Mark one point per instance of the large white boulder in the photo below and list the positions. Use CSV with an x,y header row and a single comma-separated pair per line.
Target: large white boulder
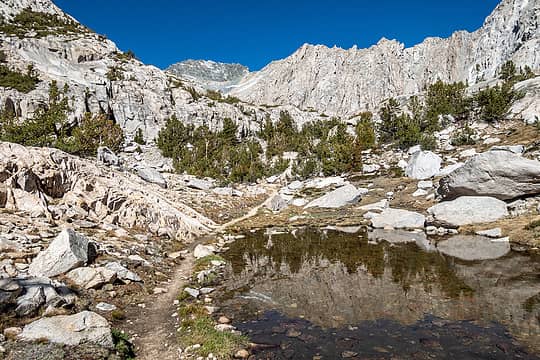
x,y
398,219
67,251
345,195
423,165
500,174
468,210
84,327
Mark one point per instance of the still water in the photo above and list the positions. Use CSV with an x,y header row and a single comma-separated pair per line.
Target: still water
x,y
328,294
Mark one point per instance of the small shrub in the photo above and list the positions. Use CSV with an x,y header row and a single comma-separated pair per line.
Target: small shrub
x,y
115,73
139,137
118,314
124,348
42,24
194,94
465,136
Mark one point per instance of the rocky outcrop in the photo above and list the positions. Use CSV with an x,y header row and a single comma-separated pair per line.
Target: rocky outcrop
x,y
500,174
468,210
84,327
85,191
343,82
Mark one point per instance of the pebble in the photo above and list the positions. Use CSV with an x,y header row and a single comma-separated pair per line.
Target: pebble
x,y
242,354
12,332
192,292
105,307
293,333
159,290
348,354
224,320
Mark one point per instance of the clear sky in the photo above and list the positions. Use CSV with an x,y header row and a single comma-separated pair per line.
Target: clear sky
x,y
255,32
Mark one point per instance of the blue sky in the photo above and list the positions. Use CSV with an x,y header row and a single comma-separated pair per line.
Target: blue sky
x,y
253,33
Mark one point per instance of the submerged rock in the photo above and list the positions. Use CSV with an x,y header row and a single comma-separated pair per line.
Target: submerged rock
x,y
468,210
474,247
345,195
68,251
84,327
398,219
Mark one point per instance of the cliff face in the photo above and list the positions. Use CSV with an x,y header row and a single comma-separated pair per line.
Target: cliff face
x,y
209,74
343,82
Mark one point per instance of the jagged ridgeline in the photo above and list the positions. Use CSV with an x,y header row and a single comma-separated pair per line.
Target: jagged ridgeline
x,y
311,125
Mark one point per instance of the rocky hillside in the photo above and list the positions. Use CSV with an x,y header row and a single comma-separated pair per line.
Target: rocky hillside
x,y
102,78
209,74
339,82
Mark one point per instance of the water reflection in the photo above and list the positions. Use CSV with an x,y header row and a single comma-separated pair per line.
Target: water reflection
x,y
333,279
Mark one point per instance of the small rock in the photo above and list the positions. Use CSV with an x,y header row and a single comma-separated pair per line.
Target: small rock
x,y
159,290
224,327
241,354
348,354
12,333
202,251
192,292
224,320
492,233
105,307
293,333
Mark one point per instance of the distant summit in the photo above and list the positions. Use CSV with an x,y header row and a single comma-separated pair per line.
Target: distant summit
x,y
209,74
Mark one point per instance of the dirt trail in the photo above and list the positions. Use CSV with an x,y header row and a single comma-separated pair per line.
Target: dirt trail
x,y
155,324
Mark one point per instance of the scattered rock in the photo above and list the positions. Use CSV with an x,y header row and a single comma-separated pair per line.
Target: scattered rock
x,y
199,184
224,320
473,247
516,149
192,292
11,333
345,195
425,184
202,251
491,233
105,307
398,219
92,278
151,175
68,251
423,165
241,354
84,327
378,206
468,210
276,203
107,156
122,273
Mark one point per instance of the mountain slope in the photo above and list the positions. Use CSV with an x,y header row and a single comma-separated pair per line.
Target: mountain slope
x,y
209,74
343,82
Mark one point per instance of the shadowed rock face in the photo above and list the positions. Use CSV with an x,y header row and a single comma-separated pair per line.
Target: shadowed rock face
x,y
335,279
209,74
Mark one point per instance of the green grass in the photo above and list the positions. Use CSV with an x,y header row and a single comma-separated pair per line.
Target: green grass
x,y
197,327
532,225
205,262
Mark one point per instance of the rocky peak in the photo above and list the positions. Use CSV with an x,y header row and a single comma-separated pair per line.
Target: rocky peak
x,y
343,82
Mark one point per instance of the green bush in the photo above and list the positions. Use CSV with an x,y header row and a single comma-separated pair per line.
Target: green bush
x,y
18,81
464,136
445,99
493,103
50,128
365,131
510,73
92,132
115,73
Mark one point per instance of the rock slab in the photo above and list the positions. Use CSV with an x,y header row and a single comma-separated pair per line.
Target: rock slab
x,y
468,210
398,219
345,195
84,327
